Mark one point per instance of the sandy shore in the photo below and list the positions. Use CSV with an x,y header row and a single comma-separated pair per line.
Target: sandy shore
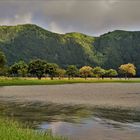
x,y
102,94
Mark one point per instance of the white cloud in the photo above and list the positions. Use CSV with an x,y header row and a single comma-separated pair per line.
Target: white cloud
x,y
88,16
55,28
17,19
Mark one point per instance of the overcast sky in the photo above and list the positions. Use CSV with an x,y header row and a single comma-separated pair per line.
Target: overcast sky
x,y
92,17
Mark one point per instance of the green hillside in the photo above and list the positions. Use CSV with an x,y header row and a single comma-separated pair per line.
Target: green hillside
x,y
26,42
30,41
119,47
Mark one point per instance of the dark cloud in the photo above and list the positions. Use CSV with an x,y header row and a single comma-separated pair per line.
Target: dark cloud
x,y
88,16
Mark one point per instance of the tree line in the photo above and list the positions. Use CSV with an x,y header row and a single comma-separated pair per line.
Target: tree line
x,y
41,68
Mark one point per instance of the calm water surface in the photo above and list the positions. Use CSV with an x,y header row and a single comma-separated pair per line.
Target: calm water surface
x,y
76,122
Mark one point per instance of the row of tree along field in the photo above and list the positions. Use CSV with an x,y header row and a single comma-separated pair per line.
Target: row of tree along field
x,y
40,68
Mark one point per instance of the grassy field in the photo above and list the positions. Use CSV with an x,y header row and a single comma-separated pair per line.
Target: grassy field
x,y
11,130
6,81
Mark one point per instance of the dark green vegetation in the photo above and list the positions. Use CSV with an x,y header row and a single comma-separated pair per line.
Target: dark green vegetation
x,y
11,130
2,59
36,68
72,71
26,42
41,68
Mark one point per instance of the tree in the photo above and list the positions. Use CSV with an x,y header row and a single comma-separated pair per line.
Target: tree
x,y
127,70
2,59
86,71
111,73
4,71
2,63
99,72
51,69
23,68
61,73
71,71
13,70
19,69
37,68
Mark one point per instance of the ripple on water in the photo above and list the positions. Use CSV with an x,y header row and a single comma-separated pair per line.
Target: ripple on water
x,y
76,121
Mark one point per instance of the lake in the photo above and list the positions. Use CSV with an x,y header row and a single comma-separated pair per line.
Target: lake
x,y
115,116
76,122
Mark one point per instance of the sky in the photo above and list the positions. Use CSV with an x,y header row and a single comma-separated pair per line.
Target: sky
x,y
92,17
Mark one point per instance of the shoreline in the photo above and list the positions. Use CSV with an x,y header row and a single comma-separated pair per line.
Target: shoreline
x,y
9,81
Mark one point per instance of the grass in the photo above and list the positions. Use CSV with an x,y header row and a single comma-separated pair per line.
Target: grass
x,y
4,81
11,130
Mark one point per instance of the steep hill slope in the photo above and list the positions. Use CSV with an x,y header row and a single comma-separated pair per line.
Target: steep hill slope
x,y
119,47
30,41
26,42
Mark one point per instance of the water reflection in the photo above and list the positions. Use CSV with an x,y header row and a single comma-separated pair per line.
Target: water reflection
x,y
76,121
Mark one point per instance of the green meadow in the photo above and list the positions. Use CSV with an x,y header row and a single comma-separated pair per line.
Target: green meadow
x,y
4,81
12,130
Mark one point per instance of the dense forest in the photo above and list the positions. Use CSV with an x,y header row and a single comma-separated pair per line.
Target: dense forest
x,y
27,42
